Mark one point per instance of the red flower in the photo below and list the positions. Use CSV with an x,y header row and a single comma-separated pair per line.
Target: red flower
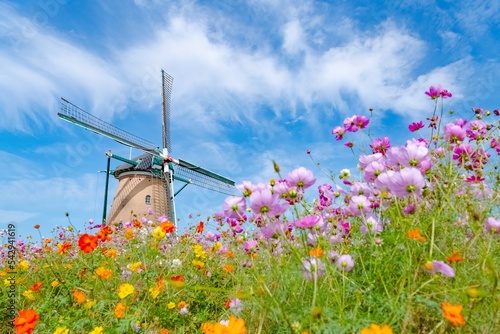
x,y
87,243
26,321
200,227
36,286
167,227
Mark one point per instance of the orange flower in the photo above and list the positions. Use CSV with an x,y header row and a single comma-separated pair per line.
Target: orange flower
x,y
37,226
233,326
63,248
137,224
87,243
129,233
79,296
120,310
36,286
104,273
415,234
111,253
376,329
453,313
104,233
181,304
455,257
316,252
200,227
229,254
167,227
26,321
228,268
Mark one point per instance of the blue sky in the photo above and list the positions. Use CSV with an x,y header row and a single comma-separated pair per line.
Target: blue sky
x,y
254,81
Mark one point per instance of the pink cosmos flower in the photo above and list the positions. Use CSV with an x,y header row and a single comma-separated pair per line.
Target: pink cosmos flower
x,y
349,144
275,229
406,182
434,266
381,145
365,160
345,262
339,132
309,222
264,202
245,187
492,225
476,130
234,207
250,246
435,92
301,178
359,205
454,133
462,153
373,170
416,126
312,268
371,224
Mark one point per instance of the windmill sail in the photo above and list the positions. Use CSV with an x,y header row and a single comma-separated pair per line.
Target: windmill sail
x,y
167,82
204,178
71,113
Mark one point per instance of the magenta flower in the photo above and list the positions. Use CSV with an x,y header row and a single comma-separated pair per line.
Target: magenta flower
x,y
462,153
381,145
435,92
406,182
361,121
345,262
492,225
416,126
312,268
476,130
309,222
234,207
434,266
454,133
339,132
301,178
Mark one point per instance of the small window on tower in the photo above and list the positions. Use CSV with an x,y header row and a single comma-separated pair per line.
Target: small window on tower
x,y
148,199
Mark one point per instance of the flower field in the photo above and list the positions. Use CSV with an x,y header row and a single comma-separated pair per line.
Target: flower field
x,y
408,243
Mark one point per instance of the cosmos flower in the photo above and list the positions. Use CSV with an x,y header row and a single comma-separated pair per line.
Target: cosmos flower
x,y
25,322
87,243
301,178
453,313
434,266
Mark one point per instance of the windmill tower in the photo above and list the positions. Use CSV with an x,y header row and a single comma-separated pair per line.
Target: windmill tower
x,y
146,181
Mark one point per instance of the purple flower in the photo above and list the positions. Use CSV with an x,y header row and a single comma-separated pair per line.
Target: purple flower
x,y
345,262
365,160
301,178
435,92
274,229
235,305
454,133
234,207
492,225
434,266
312,268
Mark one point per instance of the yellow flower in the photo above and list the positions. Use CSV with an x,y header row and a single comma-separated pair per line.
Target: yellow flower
x,y
171,305
158,233
54,283
29,295
155,291
125,289
104,273
7,282
217,246
61,330
23,265
198,264
136,267
199,252
97,330
376,329
69,265
88,305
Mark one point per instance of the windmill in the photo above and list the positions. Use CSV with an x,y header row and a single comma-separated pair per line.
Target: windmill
x,y
146,181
